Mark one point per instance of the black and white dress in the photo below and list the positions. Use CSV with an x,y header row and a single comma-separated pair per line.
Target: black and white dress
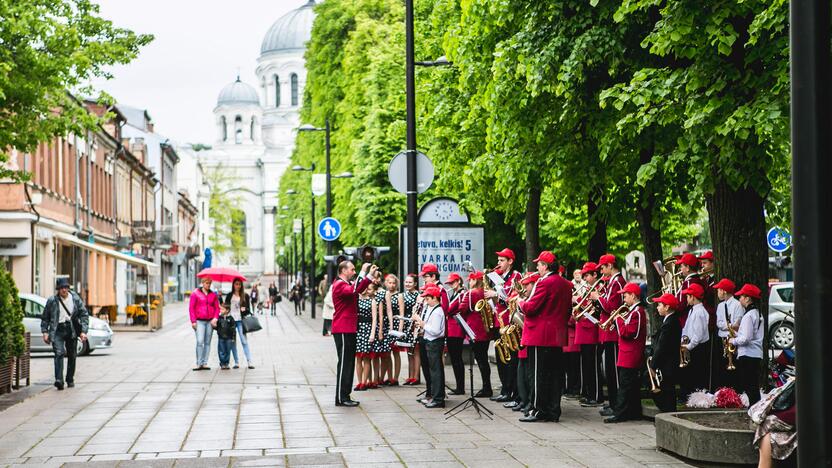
x,y
409,305
382,346
363,347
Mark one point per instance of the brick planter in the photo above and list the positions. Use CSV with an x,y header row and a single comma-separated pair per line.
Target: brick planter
x,y
6,374
694,435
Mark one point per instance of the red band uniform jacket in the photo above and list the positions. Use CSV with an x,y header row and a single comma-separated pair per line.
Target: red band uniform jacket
x,y
451,308
610,301
547,312
471,316
632,333
501,307
345,299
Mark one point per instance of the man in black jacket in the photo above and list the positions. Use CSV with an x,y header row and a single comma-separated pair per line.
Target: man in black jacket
x,y
666,352
64,321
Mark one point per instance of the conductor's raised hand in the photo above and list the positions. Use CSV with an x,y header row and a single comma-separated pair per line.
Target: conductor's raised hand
x,y
373,269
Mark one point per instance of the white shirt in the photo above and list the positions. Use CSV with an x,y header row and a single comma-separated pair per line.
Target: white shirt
x,y
434,323
234,310
70,306
735,313
749,339
696,327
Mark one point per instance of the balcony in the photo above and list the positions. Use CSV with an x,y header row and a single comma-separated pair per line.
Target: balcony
x,y
142,232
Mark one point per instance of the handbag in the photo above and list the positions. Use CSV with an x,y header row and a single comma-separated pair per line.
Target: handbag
x,y
251,324
76,324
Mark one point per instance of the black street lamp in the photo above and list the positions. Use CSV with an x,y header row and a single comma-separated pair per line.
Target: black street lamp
x,y
314,291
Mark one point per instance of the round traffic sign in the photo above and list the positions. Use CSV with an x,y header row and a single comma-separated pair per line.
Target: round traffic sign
x,y
778,239
329,229
397,172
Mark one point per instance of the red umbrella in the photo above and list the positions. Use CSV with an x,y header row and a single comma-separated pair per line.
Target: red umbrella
x,y
221,274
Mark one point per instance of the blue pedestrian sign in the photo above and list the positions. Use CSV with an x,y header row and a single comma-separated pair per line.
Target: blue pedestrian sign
x,y
779,240
329,229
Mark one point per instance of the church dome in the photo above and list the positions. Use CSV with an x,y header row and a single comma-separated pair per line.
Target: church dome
x,y
238,93
291,32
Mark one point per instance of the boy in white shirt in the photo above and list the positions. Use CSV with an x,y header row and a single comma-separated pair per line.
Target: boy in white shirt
x,y
433,324
695,338
749,343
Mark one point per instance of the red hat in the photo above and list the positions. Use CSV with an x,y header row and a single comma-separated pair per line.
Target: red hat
x,y
530,278
432,291
562,270
589,267
545,256
507,253
606,258
707,256
669,300
726,285
695,290
688,259
428,268
631,288
475,275
749,290
453,277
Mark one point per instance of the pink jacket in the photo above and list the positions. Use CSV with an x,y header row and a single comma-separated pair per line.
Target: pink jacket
x,y
204,306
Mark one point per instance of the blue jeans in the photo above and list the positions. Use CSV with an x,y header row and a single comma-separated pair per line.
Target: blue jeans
x,y
203,341
224,348
244,342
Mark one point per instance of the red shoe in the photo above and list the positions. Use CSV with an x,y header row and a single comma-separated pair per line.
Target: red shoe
x,y
372,385
359,387
394,383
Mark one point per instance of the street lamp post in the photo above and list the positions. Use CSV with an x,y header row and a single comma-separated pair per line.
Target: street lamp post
x,y
326,129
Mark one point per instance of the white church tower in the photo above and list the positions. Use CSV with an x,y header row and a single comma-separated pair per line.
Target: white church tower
x,y
255,134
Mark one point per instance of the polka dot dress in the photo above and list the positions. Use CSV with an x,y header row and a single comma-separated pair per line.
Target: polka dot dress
x,y
363,347
383,345
409,304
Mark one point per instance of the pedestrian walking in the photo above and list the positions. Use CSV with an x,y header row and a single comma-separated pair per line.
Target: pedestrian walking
x,y
238,304
65,320
328,311
204,310
254,296
296,296
273,295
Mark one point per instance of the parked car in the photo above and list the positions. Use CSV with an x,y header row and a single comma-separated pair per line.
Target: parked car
x,y
781,315
99,335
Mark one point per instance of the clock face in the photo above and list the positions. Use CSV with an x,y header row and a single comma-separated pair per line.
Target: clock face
x,y
443,210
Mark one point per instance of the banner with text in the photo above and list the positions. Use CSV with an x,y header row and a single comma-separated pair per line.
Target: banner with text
x,y
449,247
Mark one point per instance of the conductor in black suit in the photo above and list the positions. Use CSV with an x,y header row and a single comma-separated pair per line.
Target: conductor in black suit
x,y
666,352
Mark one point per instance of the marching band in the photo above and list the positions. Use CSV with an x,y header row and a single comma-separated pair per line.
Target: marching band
x,y
552,336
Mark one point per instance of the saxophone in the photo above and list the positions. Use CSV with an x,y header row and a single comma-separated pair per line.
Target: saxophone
x,y
483,306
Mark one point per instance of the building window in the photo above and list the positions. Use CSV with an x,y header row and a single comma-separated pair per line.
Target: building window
x,y
238,130
294,90
276,91
251,129
224,128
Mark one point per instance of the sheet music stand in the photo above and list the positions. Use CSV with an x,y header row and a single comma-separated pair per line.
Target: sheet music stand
x,y
470,401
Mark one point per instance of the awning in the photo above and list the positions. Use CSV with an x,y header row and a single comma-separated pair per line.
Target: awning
x,y
151,267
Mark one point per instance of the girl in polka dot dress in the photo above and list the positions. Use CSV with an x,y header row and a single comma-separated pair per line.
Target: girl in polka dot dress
x,y
363,345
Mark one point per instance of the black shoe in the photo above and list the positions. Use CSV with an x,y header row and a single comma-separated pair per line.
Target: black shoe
x,y
504,398
59,385
70,384
236,366
614,420
511,404
591,404
457,391
484,394
533,416
434,404
424,401
606,412
250,366
518,408
495,397
206,368
350,403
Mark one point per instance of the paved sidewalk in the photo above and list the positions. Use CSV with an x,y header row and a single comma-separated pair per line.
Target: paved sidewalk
x,y
141,405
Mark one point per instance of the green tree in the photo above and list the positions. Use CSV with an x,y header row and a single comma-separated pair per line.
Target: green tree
x,y
12,332
229,231
52,48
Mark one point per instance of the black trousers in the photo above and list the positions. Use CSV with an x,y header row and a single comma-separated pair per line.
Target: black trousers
x,y
546,365
424,365
695,375
666,399
437,370
455,353
480,350
629,394
508,376
273,304
591,372
722,377
523,381
345,345
610,350
748,377
572,365
64,344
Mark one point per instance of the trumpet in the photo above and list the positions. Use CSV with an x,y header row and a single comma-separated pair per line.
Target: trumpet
x,y
655,376
580,308
684,352
622,312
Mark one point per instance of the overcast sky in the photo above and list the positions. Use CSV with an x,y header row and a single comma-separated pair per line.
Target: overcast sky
x,y
199,46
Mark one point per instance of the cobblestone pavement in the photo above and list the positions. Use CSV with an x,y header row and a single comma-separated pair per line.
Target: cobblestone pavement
x,y
141,405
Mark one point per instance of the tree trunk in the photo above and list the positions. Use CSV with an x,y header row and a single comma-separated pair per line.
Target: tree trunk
x,y
532,226
738,232
598,229
651,238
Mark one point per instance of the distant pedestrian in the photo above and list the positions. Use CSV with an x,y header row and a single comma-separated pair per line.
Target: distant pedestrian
x,y
255,297
328,312
238,304
296,296
204,310
273,295
64,321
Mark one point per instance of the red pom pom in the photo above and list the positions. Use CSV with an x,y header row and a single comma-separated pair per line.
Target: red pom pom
x,y
727,397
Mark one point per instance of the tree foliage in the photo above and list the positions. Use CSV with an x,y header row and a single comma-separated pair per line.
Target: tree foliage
x,y
50,50
12,332
228,235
